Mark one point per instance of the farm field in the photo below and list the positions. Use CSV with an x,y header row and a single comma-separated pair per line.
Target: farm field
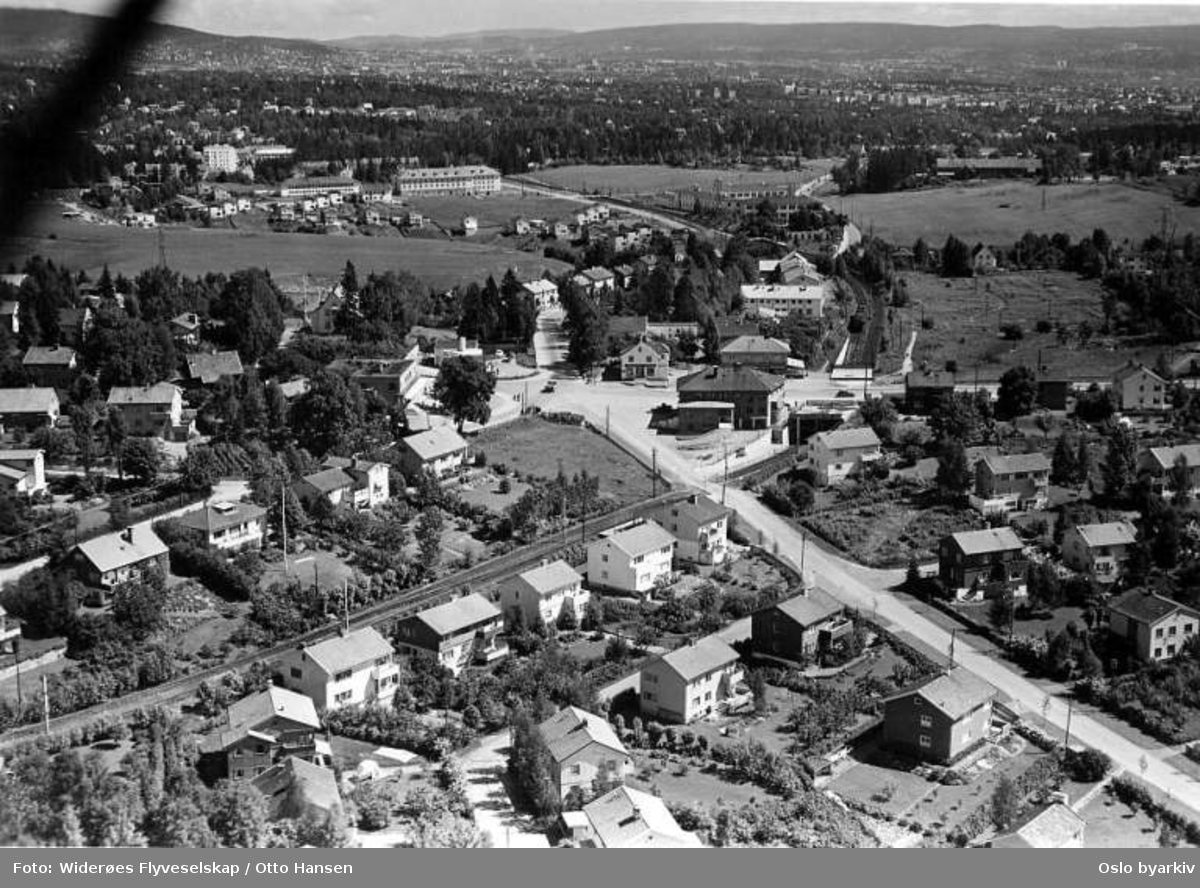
x,y
494,212
537,447
621,180
999,213
966,324
196,251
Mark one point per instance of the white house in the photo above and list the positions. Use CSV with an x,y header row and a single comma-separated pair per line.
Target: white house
x,y
808,302
350,668
835,455
626,818
544,293
23,472
440,450
700,527
227,526
632,557
546,592
692,681
586,751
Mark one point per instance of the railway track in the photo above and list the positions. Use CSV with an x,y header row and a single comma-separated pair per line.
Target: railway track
x,y
397,606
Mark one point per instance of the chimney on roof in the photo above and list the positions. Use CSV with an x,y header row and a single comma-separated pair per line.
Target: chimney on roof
x,y
127,534
462,343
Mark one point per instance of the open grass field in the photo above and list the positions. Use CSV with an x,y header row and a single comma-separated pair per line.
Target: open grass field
x,y
695,788
999,213
196,251
494,212
1112,824
621,180
967,317
536,447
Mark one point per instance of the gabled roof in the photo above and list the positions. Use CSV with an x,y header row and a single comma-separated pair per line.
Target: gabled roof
x,y
572,729
992,539
761,345
1054,827
629,818
162,393
541,285
1017,462
639,538
328,480
730,379
698,507
49,356
1113,533
1166,456
941,379
209,368
549,578
956,693
133,545
28,400
188,321
845,438
252,711
811,607
458,615
1132,369
218,516
348,651
20,456
294,388
1147,607
700,658
301,784
659,348
436,443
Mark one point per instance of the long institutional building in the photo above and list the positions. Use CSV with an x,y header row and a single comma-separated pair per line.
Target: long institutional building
x,y
447,180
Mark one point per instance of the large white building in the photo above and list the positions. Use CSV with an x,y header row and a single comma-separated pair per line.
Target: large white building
x,y
808,302
447,180
221,158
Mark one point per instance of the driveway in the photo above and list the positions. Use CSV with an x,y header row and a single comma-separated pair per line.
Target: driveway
x,y
495,815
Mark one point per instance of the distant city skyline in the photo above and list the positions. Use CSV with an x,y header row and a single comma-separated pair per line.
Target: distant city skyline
x,y
332,19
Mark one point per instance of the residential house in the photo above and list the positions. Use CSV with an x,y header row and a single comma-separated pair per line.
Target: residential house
x,y
645,359
1138,388
983,260
634,557
186,328
10,632
982,562
800,628
118,557
1158,464
1053,393
456,348
785,299
440,450
544,293
1057,826
1099,550
75,325
757,397
700,527
230,527
389,380
519,226
10,314
1155,628
586,752
837,455
23,472
545,593
763,352
698,417
470,225
595,280
351,482
322,319
941,720
794,269
923,390
458,634
209,369
28,408
151,410
52,366
691,682
1011,483
626,818
299,790
264,728
346,670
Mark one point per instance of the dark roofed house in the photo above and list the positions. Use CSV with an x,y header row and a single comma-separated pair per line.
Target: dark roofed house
x,y
228,526
52,366
800,628
296,789
645,359
585,750
757,397
1154,627
458,633
979,563
75,325
941,720
209,369
765,353
264,728
923,390
1011,483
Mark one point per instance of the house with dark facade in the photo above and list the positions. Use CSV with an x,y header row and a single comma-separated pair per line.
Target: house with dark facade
x,y
798,629
1011,483
942,720
264,728
459,633
121,556
757,397
28,408
924,389
982,563
52,366
767,354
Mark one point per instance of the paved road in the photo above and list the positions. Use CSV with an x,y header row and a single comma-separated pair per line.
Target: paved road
x,y
495,815
868,589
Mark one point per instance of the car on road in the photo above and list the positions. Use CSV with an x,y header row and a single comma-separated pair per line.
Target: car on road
x,y
550,386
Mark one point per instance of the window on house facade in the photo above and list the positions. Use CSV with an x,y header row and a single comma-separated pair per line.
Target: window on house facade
x,y
343,697
926,741
926,721
1157,653
296,673
343,675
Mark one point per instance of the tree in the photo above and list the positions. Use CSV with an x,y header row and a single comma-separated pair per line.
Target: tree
x,y
956,258
1179,481
1083,462
329,414
588,336
1120,463
1064,470
963,416
1003,611
237,815
881,415
83,424
252,309
115,435
137,605
465,386
141,458
531,765
1017,393
428,533
953,472
1006,803
350,279
757,683
200,469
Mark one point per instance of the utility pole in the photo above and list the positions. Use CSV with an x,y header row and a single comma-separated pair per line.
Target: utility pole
x,y
1067,736
607,418
654,472
17,663
346,605
283,526
45,705
725,479
953,634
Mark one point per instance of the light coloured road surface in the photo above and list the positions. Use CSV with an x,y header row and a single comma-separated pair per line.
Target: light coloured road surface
x,y
495,816
867,589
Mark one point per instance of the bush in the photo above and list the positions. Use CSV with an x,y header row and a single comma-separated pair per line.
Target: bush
x,y
1088,766
1012,331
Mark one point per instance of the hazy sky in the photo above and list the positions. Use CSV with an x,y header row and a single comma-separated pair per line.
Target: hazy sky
x,y
324,19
